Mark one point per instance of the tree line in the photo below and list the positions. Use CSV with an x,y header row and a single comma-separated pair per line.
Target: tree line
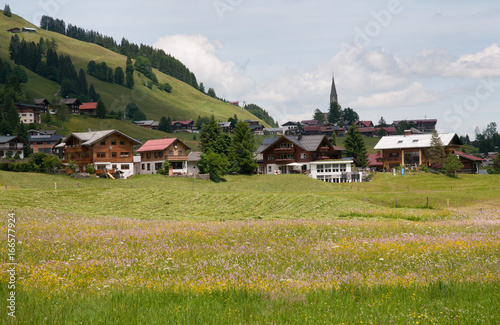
x,y
158,58
262,114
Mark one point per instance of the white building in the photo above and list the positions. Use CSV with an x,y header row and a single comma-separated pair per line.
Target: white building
x,y
335,171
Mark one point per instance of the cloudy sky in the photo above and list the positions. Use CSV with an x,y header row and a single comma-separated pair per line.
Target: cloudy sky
x,y
400,59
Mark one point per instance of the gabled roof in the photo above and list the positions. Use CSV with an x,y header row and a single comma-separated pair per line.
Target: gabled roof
x,y
367,130
88,106
8,138
71,101
41,101
158,145
194,156
89,138
365,123
290,123
183,122
415,141
467,156
306,142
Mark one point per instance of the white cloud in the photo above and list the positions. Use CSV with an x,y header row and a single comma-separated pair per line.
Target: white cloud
x,y
200,56
414,94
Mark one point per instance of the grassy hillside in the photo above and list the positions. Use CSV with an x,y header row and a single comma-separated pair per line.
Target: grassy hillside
x,y
184,102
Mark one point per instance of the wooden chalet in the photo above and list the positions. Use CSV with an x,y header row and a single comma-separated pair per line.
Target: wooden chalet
x,y
183,126
471,163
155,152
88,108
30,113
294,154
10,146
364,124
412,149
73,104
42,102
148,124
110,152
426,125
14,30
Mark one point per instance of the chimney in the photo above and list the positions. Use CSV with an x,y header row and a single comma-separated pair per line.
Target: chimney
x,y
407,132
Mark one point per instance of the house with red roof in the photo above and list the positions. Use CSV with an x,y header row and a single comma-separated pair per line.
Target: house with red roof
x,y
155,152
183,126
376,161
88,108
471,163
364,124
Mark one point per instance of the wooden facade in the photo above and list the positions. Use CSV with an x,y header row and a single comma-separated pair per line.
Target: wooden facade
x,y
155,152
108,151
293,154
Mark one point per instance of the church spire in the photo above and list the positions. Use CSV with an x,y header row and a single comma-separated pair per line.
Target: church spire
x,y
333,92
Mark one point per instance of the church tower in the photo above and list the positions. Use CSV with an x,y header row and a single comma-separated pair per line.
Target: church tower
x,y
333,92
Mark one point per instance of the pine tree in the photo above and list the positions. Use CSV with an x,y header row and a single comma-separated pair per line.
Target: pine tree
x,y
83,87
241,151
209,135
6,11
163,125
21,132
335,113
333,139
355,146
436,150
129,73
119,76
100,111
452,164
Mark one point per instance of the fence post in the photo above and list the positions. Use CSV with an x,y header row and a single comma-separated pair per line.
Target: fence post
x,y
55,185
447,203
396,201
427,202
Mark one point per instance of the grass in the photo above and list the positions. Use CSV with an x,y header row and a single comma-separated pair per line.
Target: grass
x,y
184,102
253,249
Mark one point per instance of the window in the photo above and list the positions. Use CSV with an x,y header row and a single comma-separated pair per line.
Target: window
x,y
303,156
290,156
400,141
328,168
149,166
113,142
170,152
101,155
122,142
416,140
270,169
335,168
393,154
320,169
123,154
179,152
156,154
161,154
286,145
113,166
143,166
148,155
126,166
113,154
343,168
39,143
103,142
283,156
270,157
158,166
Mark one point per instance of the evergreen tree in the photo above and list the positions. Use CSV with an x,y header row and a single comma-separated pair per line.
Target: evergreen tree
x,y
355,146
209,135
165,125
10,114
169,125
382,123
119,76
131,109
335,113
6,11
100,111
92,94
83,87
381,132
452,164
111,75
436,150
333,139
202,87
138,116
241,152
21,132
211,93
214,164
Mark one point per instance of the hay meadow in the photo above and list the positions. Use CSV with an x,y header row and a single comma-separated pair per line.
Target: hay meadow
x,y
252,250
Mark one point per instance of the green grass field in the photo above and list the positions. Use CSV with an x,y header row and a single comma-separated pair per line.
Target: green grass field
x,y
252,250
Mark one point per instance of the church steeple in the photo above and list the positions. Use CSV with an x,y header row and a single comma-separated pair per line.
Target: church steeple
x,y
333,92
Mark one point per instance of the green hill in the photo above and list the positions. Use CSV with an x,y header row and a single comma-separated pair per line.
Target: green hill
x,y
184,102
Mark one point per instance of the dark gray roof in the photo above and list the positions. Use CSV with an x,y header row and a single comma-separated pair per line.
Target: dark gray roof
x,y
8,138
266,143
45,137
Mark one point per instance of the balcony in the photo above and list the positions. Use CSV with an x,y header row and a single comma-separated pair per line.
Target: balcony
x,y
15,146
176,158
283,149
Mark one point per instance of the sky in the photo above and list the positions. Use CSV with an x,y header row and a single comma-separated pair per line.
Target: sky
x,y
397,59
